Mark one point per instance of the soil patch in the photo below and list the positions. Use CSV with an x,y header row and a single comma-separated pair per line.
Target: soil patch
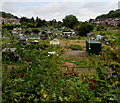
x,y
76,53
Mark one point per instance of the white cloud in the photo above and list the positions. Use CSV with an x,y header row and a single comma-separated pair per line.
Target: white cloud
x,y
58,10
58,0
43,0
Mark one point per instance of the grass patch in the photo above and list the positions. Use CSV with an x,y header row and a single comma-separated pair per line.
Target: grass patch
x,y
6,41
74,47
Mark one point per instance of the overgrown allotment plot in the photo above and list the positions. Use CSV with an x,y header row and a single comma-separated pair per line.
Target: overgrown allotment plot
x,y
56,77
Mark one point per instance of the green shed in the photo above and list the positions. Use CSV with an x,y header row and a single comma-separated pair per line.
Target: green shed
x,y
93,46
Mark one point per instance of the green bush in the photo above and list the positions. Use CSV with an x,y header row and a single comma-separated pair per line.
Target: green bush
x,y
28,31
100,28
43,45
34,30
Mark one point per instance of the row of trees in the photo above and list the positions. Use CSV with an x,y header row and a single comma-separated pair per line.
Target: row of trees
x,y
70,21
32,22
82,28
39,22
111,14
7,15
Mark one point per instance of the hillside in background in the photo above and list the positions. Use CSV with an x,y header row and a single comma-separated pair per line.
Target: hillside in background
x,y
111,14
110,19
7,15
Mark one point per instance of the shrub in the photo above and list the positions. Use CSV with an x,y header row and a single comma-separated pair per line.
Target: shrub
x,y
83,28
35,30
43,45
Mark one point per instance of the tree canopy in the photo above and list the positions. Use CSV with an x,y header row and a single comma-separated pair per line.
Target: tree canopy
x,y
83,28
7,15
70,21
40,22
111,14
118,24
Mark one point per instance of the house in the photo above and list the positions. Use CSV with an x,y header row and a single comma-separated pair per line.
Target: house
x,y
13,21
107,21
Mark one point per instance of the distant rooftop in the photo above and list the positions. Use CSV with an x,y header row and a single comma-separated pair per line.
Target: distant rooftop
x,y
9,49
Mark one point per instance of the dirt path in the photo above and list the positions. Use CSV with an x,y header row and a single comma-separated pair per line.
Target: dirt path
x,y
82,43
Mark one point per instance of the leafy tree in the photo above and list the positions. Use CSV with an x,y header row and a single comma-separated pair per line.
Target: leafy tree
x,y
3,23
7,15
5,32
111,14
17,25
27,31
24,24
30,25
52,22
32,19
118,25
43,22
35,30
70,21
23,19
8,26
100,27
38,22
58,25
37,19
83,28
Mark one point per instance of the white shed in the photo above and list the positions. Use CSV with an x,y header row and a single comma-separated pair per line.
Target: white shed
x,y
55,42
99,37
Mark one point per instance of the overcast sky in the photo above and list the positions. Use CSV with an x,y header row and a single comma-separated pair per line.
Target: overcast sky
x,y
58,9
